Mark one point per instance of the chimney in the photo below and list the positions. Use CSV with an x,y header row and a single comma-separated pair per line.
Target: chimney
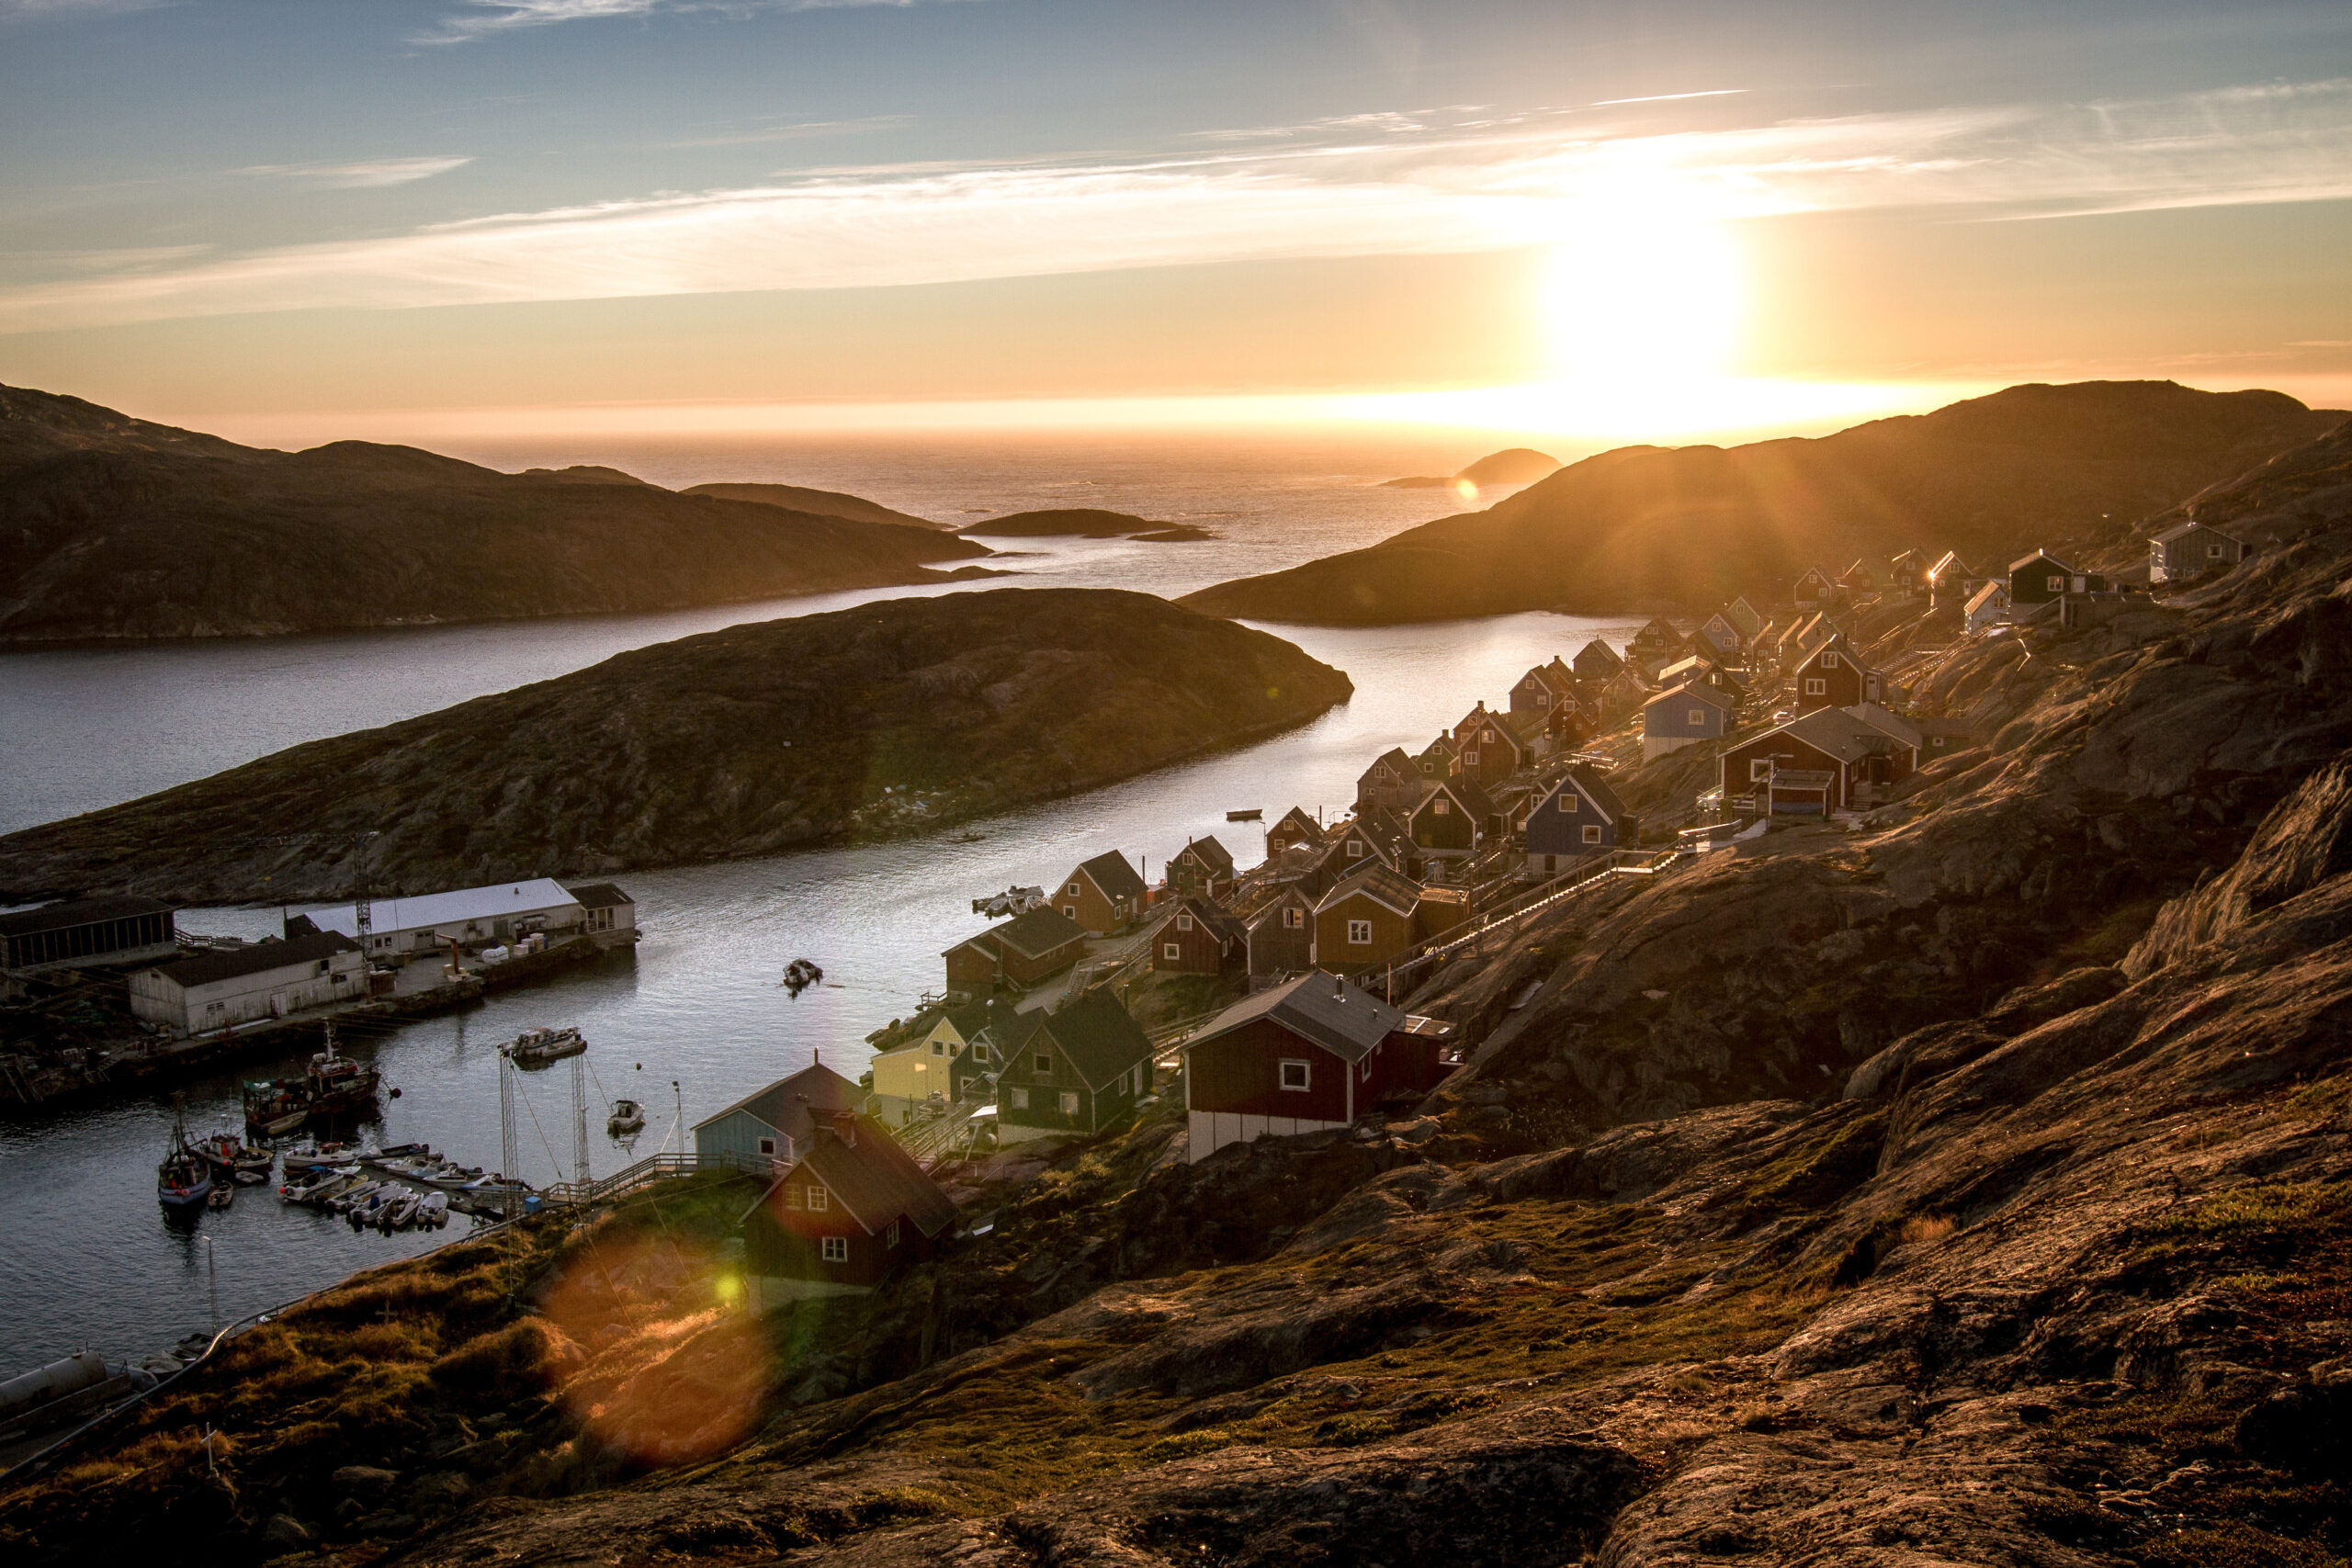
x,y
1339,989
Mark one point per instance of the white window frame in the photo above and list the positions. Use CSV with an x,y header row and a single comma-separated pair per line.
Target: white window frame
x,y
1359,933
819,1199
1305,1075
792,1195
1172,951
1069,1103
1355,849
834,1249
1470,758
891,1236
1441,807
1070,911
1760,769
1294,918
767,1147
1183,922
1698,717
2212,552
2055,583
1568,801
1592,832
1815,686
1017,1099
1043,1061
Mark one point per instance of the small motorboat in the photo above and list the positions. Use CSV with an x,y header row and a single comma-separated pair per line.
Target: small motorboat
x,y
397,1214
799,975
229,1156
538,1047
353,1196
251,1177
432,1211
223,1193
1015,900
628,1118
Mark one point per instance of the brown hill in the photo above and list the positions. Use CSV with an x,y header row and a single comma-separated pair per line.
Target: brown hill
x,y
1645,527
1074,522
822,502
112,528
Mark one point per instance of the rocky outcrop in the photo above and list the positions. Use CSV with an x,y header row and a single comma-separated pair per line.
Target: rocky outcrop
x,y
1067,522
1688,527
892,718
111,528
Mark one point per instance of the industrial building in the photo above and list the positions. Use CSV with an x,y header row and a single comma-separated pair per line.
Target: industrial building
x,y
401,928
87,931
239,985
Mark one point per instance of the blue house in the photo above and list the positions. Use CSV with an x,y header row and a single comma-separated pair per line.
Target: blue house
x,y
1684,716
777,1123
1577,817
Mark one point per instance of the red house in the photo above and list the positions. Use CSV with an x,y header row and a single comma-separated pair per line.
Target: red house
x,y
1297,828
1282,935
1202,867
850,1208
1305,1056
1018,951
1833,676
1825,760
1198,938
1490,751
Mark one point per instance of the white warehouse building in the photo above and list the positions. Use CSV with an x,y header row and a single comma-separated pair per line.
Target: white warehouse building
x,y
238,985
403,929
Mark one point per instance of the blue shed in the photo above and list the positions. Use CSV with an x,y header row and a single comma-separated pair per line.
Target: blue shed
x,y
1683,717
1577,817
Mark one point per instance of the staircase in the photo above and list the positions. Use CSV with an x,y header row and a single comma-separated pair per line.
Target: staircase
x,y
1567,884
656,1168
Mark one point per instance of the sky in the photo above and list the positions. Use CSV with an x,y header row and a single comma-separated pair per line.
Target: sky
x,y
1634,219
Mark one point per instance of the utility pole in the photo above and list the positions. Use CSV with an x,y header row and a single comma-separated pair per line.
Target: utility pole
x,y
211,1284
580,1119
506,1139
679,1095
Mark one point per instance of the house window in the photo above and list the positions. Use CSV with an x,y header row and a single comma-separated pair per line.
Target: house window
x,y
1760,769
1470,758
1815,686
2212,552
939,1048
1360,933
1486,738
1592,832
836,1248
1183,922
1073,889
792,1197
1171,952
1567,800
1441,806
1016,1098
1069,1103
1070,911
891,1236
767,1146
1296,1074
2054,584
1294,919
1698,716
818,1202
1141,1068
1044,1062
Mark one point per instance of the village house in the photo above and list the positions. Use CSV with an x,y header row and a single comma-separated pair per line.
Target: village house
x,y
776,1123
1365,921
1440,759
1391,781
1861,577
1987,607
1542,689
1744,615
1596,660
1907,576
1806,634
1103,895
1020,951
1202,867
1814,589
1764,647
843,1214
240,985
1297,828
1577,817
1684,717
75,932
1825,760
1073,1071
1656,645
1624,693
2039,578
1491,750
1951,581
1703,670
1282,935
2185,551
1720,638
1834,676
1309,1056
1198,938
945,1050
1451,816
1374,837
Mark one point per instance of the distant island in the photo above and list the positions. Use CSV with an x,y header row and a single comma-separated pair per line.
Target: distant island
x,y
888,718
1685,528
118,529
820,503
1507,469
1084,523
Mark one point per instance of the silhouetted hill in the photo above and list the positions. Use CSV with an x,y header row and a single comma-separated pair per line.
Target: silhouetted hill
x,y
1510,467
1644,527
112,528
1076,521
823,502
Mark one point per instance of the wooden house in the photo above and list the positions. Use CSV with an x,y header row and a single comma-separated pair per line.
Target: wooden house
x,y
1374,837
1822,761
1804,639
2189,549
1018,951
849,1208
1764,647
2039,578
1489,748
1906,575
1202,867
1814,588
1987,607
1297,828
1624,693
1392,780
1198,938
1951,581
1701,670
1577,817
1074,1070
1744,615
1440,759
1596,660
1863,578
1656,645
1103,895
943,1051
1835,677
1685,715
1451,816
1282,935
1541,690
1366,919
1722,638
1309,1056
775,1123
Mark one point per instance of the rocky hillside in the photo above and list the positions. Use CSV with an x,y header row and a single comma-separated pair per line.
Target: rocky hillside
x,y
822,502
1973,1185
1063,522
887,718
1665,528
111,527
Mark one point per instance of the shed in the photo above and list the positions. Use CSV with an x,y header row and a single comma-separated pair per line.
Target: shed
x,y
240,985
75,931
1074,1070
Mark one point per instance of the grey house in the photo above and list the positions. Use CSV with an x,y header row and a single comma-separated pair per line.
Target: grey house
x,y
2189,549
777,1123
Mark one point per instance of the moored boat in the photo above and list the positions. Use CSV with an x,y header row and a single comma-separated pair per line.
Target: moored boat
x,y
627,1117
183,1182
538,1047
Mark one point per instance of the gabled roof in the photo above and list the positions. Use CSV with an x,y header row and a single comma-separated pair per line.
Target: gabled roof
x,y
1220,924
1032,935
1658,628
260,958
1586,780
1290,895
1396,759
1558,676
1318,1008
1524,728
2182,530
1298,815
1093,1032
1893,724
1210,854
1596,645
1691,690
1377,883
1744,615
1983,595
1840,734
1467,794
2023,561
972,1018
1816,571
1950,563
875,1180
790,1104
1110,871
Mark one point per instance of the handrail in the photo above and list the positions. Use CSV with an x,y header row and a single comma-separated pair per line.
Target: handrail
x,y
1540,897
653,1168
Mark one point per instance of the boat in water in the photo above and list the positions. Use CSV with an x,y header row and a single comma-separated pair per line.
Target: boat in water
x,y
232,1159
627,1117
1015,900
538,1047
333,1085
184,1181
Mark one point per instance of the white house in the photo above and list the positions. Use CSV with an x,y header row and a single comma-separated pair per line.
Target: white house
x,y
401,928
270,979
1988,606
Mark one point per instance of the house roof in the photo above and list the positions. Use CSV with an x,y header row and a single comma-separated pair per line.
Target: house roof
x,y
1604,649
1297,814
1318,1008
1039,932
969,1019
1212,855
1983,595
1467,794
79,912
1895,723
1112,873
1838,734
1396,759
1221,925
1691,689
1290,895
1586,779
790,1104
1950,563
1814,572
2182,530
259,959
1094,1032
875,1180
499,901
1377,883
2023,561
1744,615
598,894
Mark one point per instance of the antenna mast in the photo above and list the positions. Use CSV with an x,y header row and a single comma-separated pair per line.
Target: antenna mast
x,y
506,1139
580,1119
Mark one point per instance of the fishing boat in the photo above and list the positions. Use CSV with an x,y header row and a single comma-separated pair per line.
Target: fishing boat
x,y
538,1047
230,1158
627,1117
332,1085
184,1181
432,1212
397,1214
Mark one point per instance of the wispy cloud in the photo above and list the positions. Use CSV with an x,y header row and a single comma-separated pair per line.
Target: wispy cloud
x,y
797,131
1671,97
1348,189
482,17
25,10
364,175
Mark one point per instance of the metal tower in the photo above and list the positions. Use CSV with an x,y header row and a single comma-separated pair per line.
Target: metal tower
x,y
580,1119
507,1142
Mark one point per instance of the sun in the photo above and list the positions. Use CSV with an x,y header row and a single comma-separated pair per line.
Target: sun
x,y
1641,295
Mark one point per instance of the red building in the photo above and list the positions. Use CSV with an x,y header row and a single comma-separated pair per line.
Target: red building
x,y
1297,828
1826,761
1305,1056
1203,866
850,1208
1018,951
1834,677
1198,938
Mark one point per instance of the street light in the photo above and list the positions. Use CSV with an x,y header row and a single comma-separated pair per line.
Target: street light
x,y
678,1095
211,1284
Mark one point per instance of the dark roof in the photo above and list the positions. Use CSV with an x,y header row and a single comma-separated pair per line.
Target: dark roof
x,y
1113,875
2023,561
79,912
230,963
2183,530
1221,925
1377,828
1838,733
876,1179
1465,792
789,1104
1399,893
1298,814
1692,689
1290,895
1394,757
1596,788
1321,1008
1093,1030
1606,651
973,1017
598,894
1210,854
1034,935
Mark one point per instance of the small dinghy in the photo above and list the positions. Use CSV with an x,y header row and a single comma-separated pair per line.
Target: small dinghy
x,y
627,1117
397,1214
223,1193
799,975
432,1211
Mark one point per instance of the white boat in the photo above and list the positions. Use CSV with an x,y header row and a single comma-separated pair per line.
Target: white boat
x,y
398,1213
627,1117
536,1047
434,1211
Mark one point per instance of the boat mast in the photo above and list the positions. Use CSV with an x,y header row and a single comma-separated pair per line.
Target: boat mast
x,y
506,1139
580,1119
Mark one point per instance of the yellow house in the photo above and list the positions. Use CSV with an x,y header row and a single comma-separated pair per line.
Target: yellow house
x,y
935,1066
